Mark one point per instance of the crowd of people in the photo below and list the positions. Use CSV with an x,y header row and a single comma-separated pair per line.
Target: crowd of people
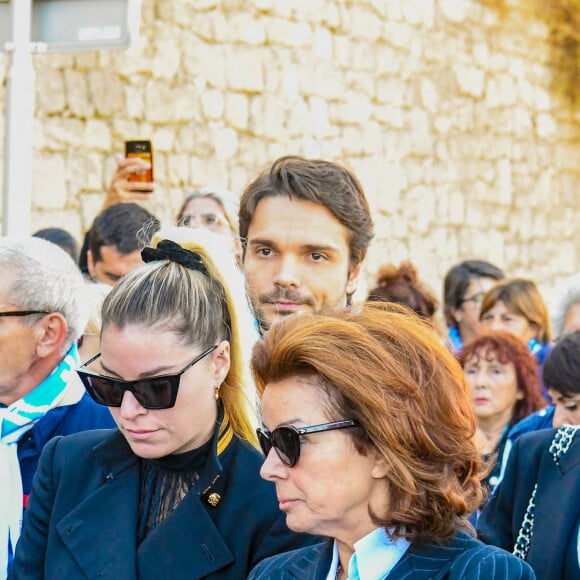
x,y
236,414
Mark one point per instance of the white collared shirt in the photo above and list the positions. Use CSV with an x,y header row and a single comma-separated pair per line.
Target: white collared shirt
x,y
374,557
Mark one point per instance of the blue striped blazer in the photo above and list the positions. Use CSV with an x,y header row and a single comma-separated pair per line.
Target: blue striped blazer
x,y
463,557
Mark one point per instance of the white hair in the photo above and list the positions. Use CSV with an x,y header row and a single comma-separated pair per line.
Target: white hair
x,y
45,278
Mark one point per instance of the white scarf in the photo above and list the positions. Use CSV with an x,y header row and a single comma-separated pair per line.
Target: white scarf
x,y
61,388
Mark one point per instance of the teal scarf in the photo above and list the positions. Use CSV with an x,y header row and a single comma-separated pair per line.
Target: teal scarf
x,y
61,388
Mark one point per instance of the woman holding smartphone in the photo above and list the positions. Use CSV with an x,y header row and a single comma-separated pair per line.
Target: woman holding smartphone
x,y
175,490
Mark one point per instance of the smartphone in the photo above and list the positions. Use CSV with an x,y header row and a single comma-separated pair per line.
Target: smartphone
x,y
144,150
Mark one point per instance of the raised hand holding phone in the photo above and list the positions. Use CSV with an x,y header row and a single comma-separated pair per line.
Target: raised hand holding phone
x,y
122,189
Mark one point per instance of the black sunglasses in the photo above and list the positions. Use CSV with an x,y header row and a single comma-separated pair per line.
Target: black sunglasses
x,y
286,440
151,393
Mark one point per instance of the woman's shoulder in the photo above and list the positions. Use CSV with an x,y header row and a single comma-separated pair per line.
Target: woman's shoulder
x,y
243,466
77,447
558,442
484,561
490,562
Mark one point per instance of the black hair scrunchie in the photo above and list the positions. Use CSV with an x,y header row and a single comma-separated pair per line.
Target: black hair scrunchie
x,y
168,250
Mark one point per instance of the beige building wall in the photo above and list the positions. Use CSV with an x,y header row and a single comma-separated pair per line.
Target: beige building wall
x,y
441,107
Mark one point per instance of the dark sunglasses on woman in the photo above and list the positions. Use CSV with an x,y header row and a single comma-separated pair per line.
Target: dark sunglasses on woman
x,y
151,393
286,440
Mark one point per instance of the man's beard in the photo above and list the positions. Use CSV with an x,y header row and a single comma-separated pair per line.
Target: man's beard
x,y
280,295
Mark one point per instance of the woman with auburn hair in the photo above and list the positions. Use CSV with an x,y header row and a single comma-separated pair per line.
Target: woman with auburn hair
x,y
368,435
503,379
175,490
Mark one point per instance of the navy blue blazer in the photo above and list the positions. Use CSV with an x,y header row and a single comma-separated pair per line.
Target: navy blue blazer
x,y
462,557
82,416
553,549
81,520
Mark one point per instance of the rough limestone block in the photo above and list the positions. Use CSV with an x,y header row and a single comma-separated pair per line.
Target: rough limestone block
x,y
107,92
77,94
504,187
419,12
50,91
264,5
364,56
246,71
212,104
236,110
225,142
98,134
393,91
207,60
267,116
471,81
169,104
85,61
93,174
124,129
164,139
429,96
134,102
366,25
398,34
166,62
298,121
195,139
322,43
59,134
288,33
178,170
244,28
390,117
206,171
48,182
454,10
320,124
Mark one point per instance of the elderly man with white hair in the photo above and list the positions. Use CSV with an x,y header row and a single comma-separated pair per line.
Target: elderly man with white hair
x,y
42,316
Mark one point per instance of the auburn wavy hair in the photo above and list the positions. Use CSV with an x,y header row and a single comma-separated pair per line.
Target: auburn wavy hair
x,y
390,372
508,348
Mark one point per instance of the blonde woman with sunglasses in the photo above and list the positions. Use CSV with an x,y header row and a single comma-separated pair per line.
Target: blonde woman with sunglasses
x,y
175,490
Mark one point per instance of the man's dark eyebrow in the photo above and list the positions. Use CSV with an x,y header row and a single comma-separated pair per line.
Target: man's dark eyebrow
x,y
262,242
306,247
319,248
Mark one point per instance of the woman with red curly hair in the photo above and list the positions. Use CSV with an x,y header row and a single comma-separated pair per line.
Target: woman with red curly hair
x,y
503,379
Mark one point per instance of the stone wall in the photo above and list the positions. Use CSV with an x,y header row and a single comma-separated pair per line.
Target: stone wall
x,y
442,107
